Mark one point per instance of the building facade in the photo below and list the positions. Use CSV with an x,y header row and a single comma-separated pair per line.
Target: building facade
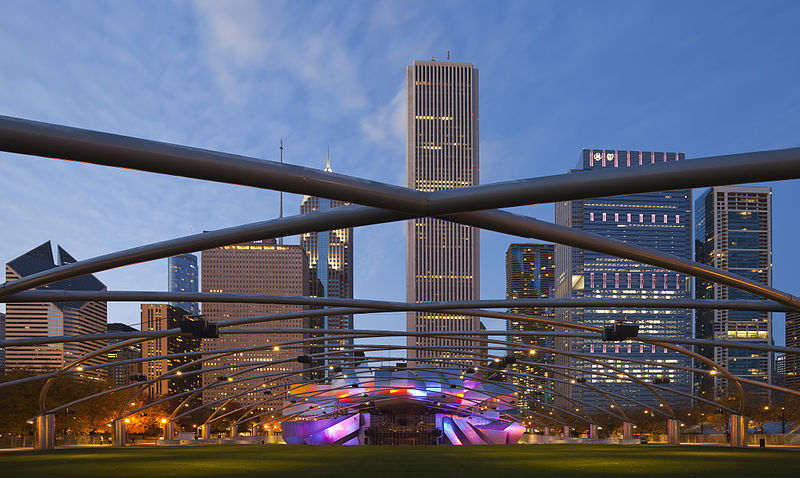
x,y
442,258
156,317
183,278
792,361
254,268
119,375
2,337
330,263
734,233
530,274
659,220
27,320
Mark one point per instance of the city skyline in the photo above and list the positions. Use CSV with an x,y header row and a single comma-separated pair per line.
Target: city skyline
x,y
564,104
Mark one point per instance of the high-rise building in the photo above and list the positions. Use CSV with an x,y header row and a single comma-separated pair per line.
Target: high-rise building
x,y
183,278
657,220
530,274
330,263
734,233
254,268
156,317
49,319
442,258
792,361
2,337
119,375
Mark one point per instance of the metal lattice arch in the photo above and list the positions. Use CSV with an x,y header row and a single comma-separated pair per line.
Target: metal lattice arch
x,y
373,203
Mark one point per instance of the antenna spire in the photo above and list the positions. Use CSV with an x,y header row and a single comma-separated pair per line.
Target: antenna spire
x,y
280,214
328,163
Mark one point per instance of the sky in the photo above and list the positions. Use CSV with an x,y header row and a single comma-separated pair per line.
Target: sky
x,y
704,78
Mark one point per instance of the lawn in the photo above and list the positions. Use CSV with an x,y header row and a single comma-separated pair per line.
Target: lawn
x,y
556,461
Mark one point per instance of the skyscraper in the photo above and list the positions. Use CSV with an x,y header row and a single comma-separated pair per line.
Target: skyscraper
x,y
658,220
330,263
2,337
530,274
792,361
157,317
734,233
183,278
253,268
442,258
24,320
119,375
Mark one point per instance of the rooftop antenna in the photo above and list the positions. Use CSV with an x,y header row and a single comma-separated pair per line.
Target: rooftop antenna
x,y
280,214
448,55
328,163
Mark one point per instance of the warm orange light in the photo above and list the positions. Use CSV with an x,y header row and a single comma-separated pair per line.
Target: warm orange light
x,y
163,420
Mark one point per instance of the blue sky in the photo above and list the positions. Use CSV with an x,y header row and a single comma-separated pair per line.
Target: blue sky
x,y
704,78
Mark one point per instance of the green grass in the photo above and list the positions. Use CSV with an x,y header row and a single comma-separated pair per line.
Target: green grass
x,y
553,461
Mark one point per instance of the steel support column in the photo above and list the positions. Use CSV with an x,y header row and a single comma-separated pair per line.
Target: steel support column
x,y
627,430
44,437
673,432
736,429
566,431
234,432
593,432
204,432
169,431
120,437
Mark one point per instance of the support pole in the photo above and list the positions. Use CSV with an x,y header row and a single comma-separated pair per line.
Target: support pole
x,y
627,430
737,431
547,431
673,432
120,437
45,432
566,431
593,432
234,431
169,431
204,432
254,429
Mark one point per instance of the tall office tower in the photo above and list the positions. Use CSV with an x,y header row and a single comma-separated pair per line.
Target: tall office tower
x,y
53,319
792,361
734,233
530,274
330,263
155,317
2,337
254,268
183,278
442,258
119,375
658,220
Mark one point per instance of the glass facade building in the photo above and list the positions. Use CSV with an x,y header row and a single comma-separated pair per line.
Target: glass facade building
x,y
734,233
792,361
658,220
183,278
330,262
530,274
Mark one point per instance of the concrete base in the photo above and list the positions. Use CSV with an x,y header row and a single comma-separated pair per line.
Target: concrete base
x,y
44,436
